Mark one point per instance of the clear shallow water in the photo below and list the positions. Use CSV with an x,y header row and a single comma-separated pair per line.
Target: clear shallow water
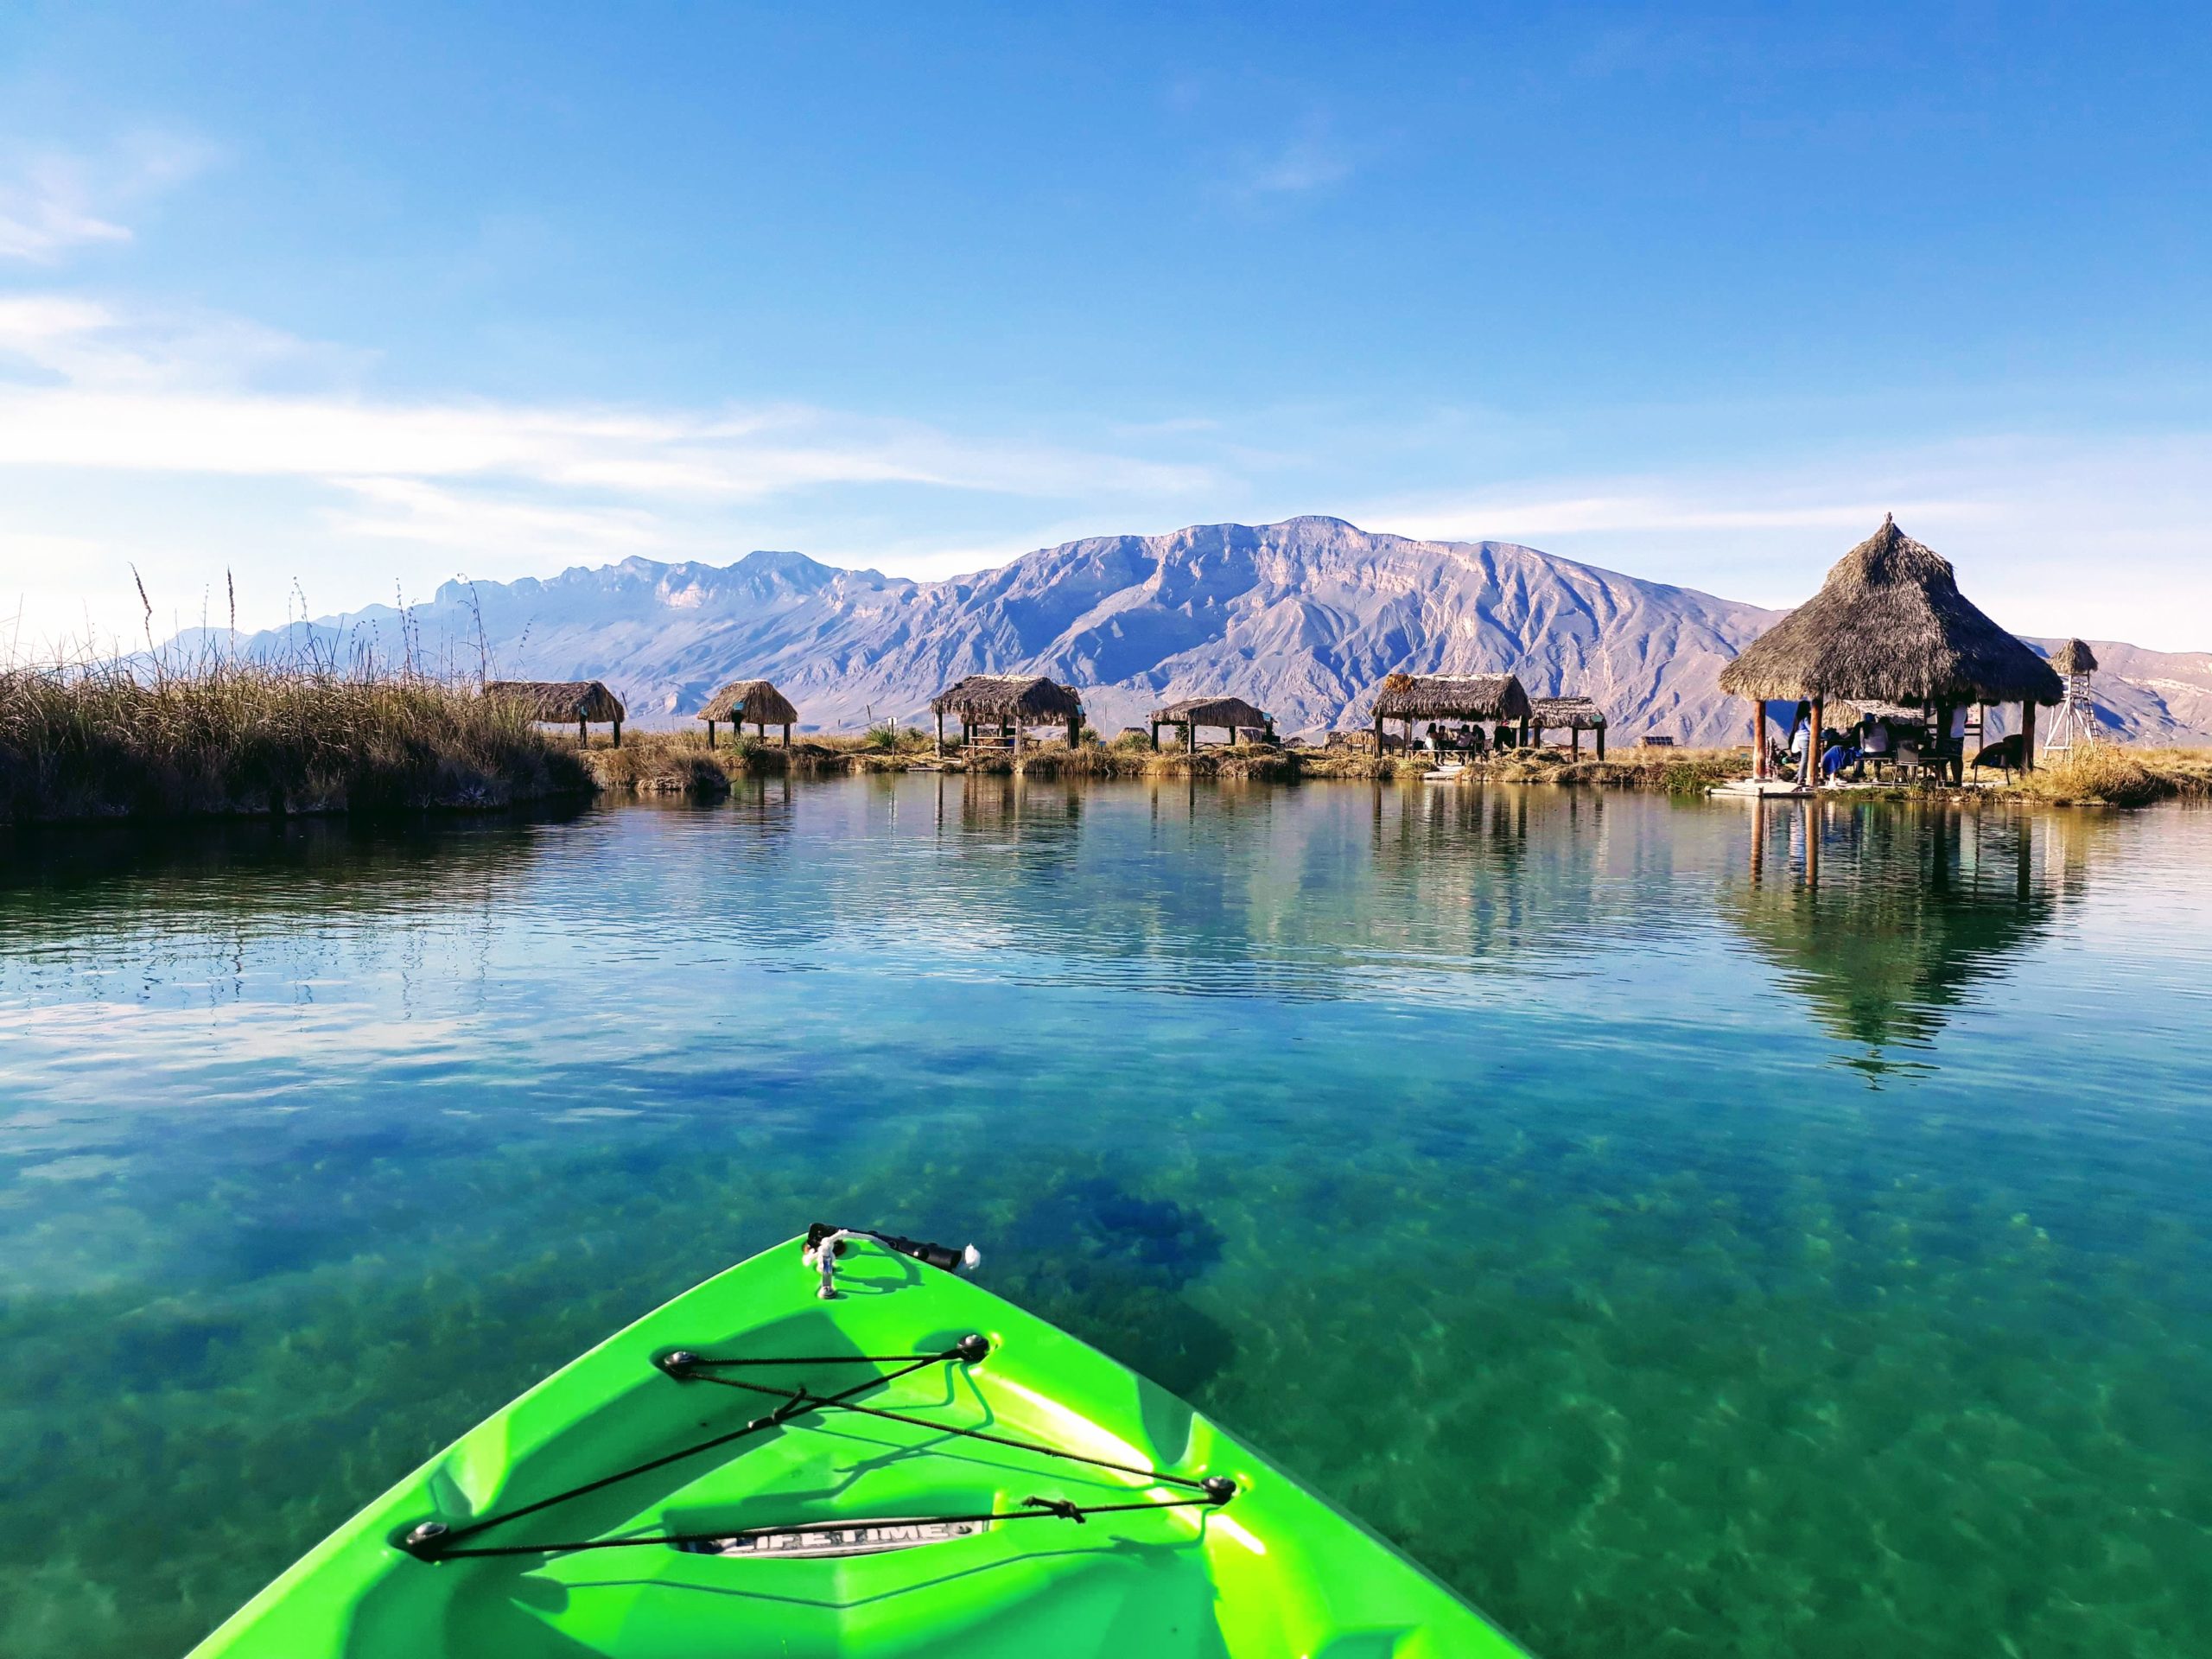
x,y
1675,1257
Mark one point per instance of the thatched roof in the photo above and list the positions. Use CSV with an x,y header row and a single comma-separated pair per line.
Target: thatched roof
x,y
2074,656
1463,696
1029,697
1891,625
1211,711
559,699
751,700
1578,714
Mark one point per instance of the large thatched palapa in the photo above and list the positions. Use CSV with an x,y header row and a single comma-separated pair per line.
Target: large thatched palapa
x,y
556,702
755,701
1011,702
1577,715
2074,656
1230,714
1889,626
1484,697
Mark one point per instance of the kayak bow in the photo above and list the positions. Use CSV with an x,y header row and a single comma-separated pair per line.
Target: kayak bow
x,y
857,1454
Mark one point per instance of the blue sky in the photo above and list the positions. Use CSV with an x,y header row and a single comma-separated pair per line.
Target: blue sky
x,y
345,302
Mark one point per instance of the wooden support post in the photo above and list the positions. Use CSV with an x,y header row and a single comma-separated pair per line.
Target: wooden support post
x,y
584,734
1601,742
1574,743
940,732
760,730
2028,736
787,734
1075,730
1813,743
1378,737
1017,738
617,731
710,734
1758,740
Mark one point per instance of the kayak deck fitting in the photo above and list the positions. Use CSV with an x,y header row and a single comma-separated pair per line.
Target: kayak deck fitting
x,y
892,1461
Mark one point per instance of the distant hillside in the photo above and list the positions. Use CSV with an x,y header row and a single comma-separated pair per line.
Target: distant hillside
x,y
1304,618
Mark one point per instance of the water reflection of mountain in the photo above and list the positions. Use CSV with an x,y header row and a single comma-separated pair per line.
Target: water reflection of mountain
x,y
1885,919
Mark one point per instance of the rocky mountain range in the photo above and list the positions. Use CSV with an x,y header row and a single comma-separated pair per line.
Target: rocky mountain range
x,y
1304,618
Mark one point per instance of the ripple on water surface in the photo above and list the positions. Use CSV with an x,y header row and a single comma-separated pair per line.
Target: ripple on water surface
x,y
1676,1253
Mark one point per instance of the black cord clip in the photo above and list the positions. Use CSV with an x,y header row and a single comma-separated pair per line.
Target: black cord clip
x,y
1058,1506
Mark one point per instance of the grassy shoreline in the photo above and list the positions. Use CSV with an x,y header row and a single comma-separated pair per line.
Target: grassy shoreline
x,y
679,762
224,739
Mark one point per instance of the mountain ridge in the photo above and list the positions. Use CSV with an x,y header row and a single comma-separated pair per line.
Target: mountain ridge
x,y
1304,617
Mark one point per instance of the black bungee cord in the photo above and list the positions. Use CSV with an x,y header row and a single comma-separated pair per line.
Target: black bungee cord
x,y
436,1541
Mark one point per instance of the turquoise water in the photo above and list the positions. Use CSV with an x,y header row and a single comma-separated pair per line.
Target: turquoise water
x,y
1677,1256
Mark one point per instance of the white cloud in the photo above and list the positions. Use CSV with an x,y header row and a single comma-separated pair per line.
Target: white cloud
x,y
44,213
1507,519
52,203
1311,159
1304,164
203,442
149,394
407,510
2102,536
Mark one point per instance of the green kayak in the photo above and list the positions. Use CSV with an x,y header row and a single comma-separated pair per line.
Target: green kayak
x,y
841,1448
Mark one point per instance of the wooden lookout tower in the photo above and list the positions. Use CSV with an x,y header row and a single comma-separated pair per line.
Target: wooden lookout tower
x,y
2075,722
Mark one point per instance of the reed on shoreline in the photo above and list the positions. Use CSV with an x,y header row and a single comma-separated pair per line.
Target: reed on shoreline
x,y
223,738
2111,774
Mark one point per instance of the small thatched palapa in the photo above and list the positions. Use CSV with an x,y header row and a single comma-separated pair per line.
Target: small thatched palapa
x,y
558,702
1008,697
1451,696
750,700
1010,702
1228,713
2074,656
1889,626
1409,697
1578,714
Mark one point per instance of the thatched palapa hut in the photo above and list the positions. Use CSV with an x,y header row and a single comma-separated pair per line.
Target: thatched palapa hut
x,y
1578,714
1010,703
1889,626
556,702
750,700
1230,714
1489,698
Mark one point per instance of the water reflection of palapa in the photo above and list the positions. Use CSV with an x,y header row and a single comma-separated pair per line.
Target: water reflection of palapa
x,y
1885,919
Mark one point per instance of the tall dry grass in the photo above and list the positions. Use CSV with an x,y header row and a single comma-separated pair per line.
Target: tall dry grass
x,y
2112,774
217,737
